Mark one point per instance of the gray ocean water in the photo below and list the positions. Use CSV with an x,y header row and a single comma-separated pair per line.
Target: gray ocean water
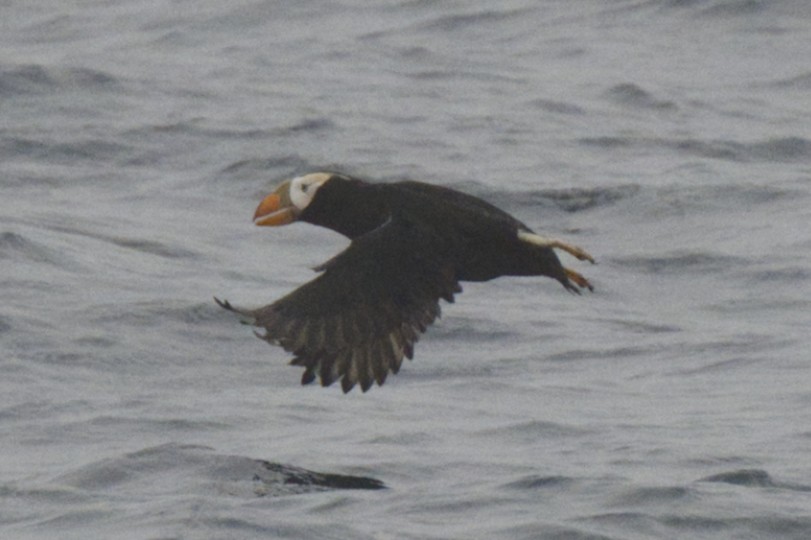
x,y
670,138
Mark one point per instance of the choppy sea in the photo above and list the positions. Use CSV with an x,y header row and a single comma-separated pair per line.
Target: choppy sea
x,y
670,138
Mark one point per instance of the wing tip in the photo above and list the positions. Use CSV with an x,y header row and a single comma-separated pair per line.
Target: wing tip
x,y
225,304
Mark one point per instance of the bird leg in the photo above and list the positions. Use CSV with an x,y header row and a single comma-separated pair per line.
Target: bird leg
x,y
578,278
541,241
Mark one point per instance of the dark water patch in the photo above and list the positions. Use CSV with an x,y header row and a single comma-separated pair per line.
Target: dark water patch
x,y
556,107
25,80
56,358
304,478
409,52
638,522
250,167
200,129
733,365
151,247
59,152
307,126
579,199
760,305
773,150
681,3
735,353
95,342
5,324
789,274
93,149
199,471
765,526
681,201
428,75
196,128
726,150
536,531
721,461
464,75
42,408
156,313
568,200
652,496
743,477
622,352
641,327
477,19
800,82
733,8
536,482
462,329
16,247
407,438
631,95
680,262
149,425
757,478
533,431
781,149
733,196
31,497
15,147
28,79
608,142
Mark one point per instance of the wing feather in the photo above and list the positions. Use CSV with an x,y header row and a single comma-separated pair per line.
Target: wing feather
x,y
358,318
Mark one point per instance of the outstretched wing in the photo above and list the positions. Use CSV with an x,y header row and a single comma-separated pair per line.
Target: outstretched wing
x,y
360,317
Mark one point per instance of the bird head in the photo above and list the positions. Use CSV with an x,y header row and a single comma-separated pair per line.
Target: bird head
x,y
286,203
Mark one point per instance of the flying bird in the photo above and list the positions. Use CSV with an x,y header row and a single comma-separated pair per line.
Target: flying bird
x,y
412,243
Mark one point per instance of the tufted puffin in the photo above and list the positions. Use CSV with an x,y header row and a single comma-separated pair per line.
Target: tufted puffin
x,y
411,244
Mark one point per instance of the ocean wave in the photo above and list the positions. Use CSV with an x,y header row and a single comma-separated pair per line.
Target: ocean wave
x,y
652,495
799,82
631,95
766,525
155,313
200,466
151,247
16,247
777,150
680,262
51,151
753,478
533,431
556,107
459,21
733,8
570,200
27,79
534,482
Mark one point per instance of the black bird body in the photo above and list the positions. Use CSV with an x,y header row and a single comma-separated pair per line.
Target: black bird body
x,y
478,238
412,243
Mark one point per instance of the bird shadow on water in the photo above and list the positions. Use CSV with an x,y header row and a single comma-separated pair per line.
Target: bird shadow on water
x,y
176,480
201,467
160,473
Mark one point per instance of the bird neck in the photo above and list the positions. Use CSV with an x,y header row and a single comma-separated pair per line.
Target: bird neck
x,y
348,206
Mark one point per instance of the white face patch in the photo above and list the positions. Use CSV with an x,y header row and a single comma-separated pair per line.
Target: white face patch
x,y
303,188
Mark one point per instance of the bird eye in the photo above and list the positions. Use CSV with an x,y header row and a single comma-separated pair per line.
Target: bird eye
x,y
305,187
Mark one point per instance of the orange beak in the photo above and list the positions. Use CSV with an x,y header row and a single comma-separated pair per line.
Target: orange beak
x,y
276,209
